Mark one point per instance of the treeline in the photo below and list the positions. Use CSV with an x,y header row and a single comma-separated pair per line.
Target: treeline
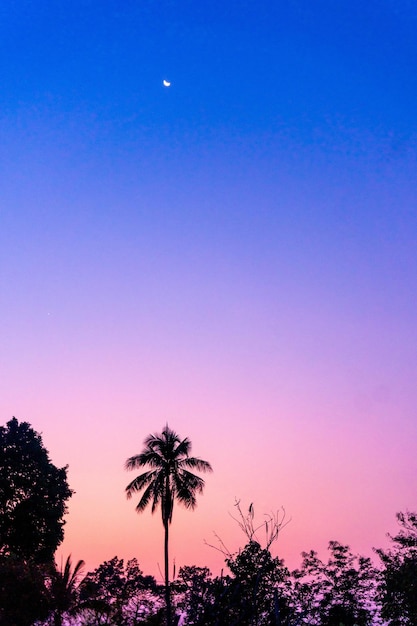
x,y
258,589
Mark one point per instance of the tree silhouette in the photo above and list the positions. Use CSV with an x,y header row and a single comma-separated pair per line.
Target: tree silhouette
x,y
341,591
63,590
24,596
117,593
260,587
193,589
398,585
168,479
33,495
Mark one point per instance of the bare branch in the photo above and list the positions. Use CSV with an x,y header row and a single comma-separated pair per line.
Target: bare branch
x,y
272,525
221,547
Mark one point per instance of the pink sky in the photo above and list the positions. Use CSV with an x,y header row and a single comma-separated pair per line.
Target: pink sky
x,y
308,425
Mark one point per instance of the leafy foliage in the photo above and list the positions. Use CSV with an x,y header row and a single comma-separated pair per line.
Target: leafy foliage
x,y
193,589
398,587
256,594
118,594
33,495
341,591
261,584
24,596
214,606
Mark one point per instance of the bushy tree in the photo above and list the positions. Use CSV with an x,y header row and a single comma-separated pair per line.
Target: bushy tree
x,y
398,586
193,589
341,591
261,586
259,590
118,594
215,607
255,594
33,495
24,596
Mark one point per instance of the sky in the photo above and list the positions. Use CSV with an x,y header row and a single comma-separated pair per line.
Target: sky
x,y
234,255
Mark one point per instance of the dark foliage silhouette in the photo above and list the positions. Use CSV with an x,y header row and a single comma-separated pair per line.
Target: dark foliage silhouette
x,y
193,589
257,593
262,585
114,592
24,597
341,591
398,587
63,590
168,479
33,495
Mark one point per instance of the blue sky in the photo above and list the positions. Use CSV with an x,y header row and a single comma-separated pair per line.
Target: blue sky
x,y
247,67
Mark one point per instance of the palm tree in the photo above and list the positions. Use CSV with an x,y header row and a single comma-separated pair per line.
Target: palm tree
x,y
167,480
63,589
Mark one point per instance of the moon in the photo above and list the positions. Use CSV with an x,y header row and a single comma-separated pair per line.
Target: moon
x,y
166,83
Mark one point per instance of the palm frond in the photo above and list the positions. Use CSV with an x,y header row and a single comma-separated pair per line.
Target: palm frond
x,y
151,457
147,457
139,483
151,440
183,448
158,490
146,498
72,577
133,462
168,478
170,435
186,496
196,463
193,482
187,485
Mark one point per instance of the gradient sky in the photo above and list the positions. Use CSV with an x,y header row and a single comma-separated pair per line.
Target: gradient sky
x,y
235,255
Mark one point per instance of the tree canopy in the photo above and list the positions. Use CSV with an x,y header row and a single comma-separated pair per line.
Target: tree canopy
x,y
33,495
398,587
341,591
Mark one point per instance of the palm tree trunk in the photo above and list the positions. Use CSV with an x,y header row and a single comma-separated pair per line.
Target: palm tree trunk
x,y
167,590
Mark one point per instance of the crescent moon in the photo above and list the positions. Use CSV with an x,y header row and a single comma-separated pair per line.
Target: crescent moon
x,y
166,83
